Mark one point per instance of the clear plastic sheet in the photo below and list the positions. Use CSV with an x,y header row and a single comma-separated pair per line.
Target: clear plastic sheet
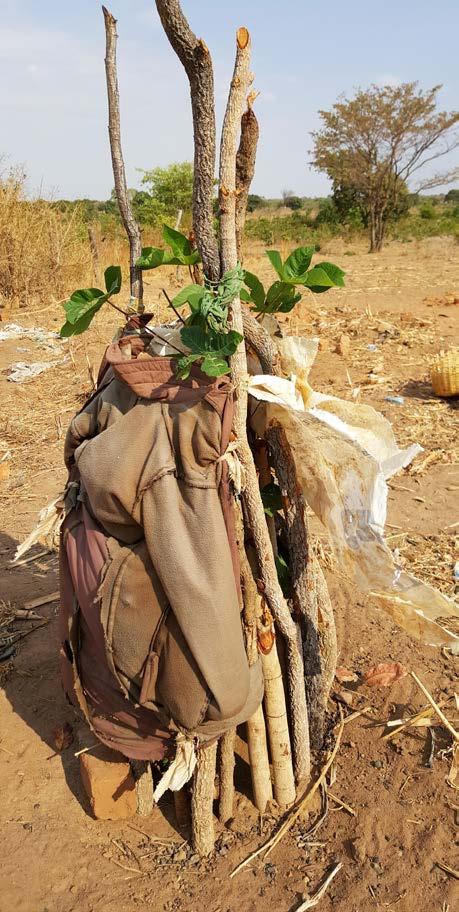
x,y
344,453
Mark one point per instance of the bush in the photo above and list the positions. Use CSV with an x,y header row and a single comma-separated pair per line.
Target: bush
x,y
293,202
427,211
255,202
452,196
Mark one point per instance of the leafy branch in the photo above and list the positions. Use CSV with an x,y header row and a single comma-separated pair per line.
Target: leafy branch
x,y
282,296
205,332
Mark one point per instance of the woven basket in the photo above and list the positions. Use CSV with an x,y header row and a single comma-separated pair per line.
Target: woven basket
x,y
444,373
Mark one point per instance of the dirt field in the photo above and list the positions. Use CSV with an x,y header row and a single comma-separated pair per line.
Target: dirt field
x,y
55,857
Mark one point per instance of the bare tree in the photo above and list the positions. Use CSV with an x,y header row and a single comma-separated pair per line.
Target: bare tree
x,y
375,142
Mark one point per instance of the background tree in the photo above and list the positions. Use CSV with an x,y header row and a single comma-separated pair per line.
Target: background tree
x,y
374,142
167,190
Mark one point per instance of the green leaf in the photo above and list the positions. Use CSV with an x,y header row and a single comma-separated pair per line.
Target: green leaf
x,y
318,280
276,261
333,272
297,264
191,295
80,325
278,294
184,366
215,366
194,337
182,250
272,498
112,276
257,292
178,242
151,258
81,301
289,303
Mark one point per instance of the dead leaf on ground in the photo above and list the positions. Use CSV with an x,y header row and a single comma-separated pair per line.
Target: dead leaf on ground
x,y
343,675
384,674
63,736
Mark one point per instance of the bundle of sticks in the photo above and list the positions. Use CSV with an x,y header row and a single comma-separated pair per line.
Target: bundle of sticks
x,y
295,637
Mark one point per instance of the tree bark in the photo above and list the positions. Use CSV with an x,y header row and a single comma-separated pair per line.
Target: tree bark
x,y
197,62
256,728
202,800
245,168
251,494
304,602
230,132
226,800
144,786
259,763
114,130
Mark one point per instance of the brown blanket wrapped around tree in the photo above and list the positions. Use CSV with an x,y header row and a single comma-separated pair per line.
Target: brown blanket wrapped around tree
x,y
151,631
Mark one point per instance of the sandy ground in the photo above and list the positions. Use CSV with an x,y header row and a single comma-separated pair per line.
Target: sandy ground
x,y
55,856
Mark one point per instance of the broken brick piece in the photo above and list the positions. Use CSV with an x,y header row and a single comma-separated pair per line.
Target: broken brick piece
x,y
109,784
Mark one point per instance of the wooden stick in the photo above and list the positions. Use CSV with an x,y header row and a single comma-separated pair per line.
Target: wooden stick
x,y
436,707
258,758
197,62
226,801
202,799
277,726
114,130
256,728
293,815
317,896
144,786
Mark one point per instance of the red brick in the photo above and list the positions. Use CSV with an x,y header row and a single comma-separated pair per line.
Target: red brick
x,y
109,784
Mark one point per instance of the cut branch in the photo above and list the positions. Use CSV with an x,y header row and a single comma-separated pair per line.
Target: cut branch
x,y
226,802
202,799
119,173
251,494
303,595
197,62
230,133
245,168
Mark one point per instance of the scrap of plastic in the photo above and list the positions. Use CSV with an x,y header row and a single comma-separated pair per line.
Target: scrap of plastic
x,y
21,371
180,770
45,337
344,451
396,400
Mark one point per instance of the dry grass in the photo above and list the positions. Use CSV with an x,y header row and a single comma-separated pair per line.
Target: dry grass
x,y
42,251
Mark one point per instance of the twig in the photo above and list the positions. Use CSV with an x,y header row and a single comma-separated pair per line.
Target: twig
x,y
125,867
317,896
346,807
268,846
435,706
173,308
447,869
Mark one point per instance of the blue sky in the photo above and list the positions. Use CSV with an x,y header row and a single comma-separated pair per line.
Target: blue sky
x,y
305,54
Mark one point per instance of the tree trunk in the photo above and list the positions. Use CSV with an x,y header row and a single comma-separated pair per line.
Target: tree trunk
x,y
197,62
114,130
202,800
